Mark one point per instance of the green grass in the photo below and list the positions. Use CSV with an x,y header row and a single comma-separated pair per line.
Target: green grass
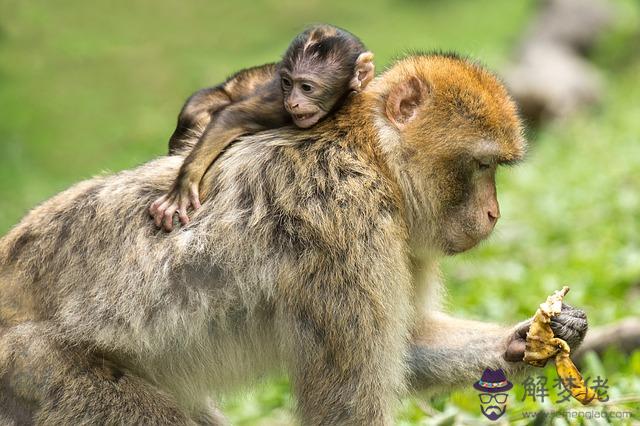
x,y
93,86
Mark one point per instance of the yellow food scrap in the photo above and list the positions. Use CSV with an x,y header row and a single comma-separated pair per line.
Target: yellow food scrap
x,y
541,345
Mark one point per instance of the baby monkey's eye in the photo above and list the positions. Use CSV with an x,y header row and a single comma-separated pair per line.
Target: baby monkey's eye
x,y
286,83
306,87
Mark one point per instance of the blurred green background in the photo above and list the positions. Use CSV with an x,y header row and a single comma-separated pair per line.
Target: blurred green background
x,y
88,87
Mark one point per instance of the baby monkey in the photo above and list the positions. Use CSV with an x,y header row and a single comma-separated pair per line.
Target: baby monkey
x,y
319,69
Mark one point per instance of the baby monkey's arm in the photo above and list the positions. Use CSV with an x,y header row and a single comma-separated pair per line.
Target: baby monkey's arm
x,y
251,115
196,114
203,106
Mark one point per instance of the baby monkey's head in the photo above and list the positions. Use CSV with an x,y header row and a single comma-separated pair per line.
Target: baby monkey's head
x,y
320,67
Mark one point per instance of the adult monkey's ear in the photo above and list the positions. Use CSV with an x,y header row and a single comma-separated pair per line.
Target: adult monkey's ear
x,y
363,72
404,100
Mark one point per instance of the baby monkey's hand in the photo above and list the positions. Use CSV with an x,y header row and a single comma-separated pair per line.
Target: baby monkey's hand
x,y
183,195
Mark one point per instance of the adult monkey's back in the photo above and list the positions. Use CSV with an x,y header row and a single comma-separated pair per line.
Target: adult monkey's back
x,y
315,252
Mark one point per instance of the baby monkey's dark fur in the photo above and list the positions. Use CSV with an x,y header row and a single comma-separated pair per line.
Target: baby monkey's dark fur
x,y
319,69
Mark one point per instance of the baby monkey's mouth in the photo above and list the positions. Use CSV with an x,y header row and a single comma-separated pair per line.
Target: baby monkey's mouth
x,y
300,117
306,120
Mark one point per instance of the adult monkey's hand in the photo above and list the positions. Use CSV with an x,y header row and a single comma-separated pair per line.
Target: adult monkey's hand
x,y
542,343
569,325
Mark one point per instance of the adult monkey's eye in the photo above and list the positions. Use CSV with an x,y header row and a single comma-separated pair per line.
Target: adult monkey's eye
x,y
306,87
483,165
286,83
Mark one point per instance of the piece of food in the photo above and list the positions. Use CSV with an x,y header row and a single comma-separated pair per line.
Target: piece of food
x,y
572,379
541,345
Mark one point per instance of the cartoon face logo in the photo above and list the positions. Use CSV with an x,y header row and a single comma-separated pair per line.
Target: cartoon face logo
x,y
493,387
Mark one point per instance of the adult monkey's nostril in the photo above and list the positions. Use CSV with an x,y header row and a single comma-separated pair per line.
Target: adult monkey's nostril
x,y
493,215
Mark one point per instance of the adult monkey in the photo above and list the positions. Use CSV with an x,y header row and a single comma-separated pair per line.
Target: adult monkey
x,y
312,251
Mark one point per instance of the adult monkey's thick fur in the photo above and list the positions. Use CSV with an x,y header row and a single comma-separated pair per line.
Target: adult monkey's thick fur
x,y
315,251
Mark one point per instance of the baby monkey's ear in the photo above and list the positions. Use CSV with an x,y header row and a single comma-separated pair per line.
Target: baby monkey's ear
x,y
363,72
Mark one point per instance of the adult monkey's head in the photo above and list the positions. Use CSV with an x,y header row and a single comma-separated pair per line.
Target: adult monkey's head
x,y
446,125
